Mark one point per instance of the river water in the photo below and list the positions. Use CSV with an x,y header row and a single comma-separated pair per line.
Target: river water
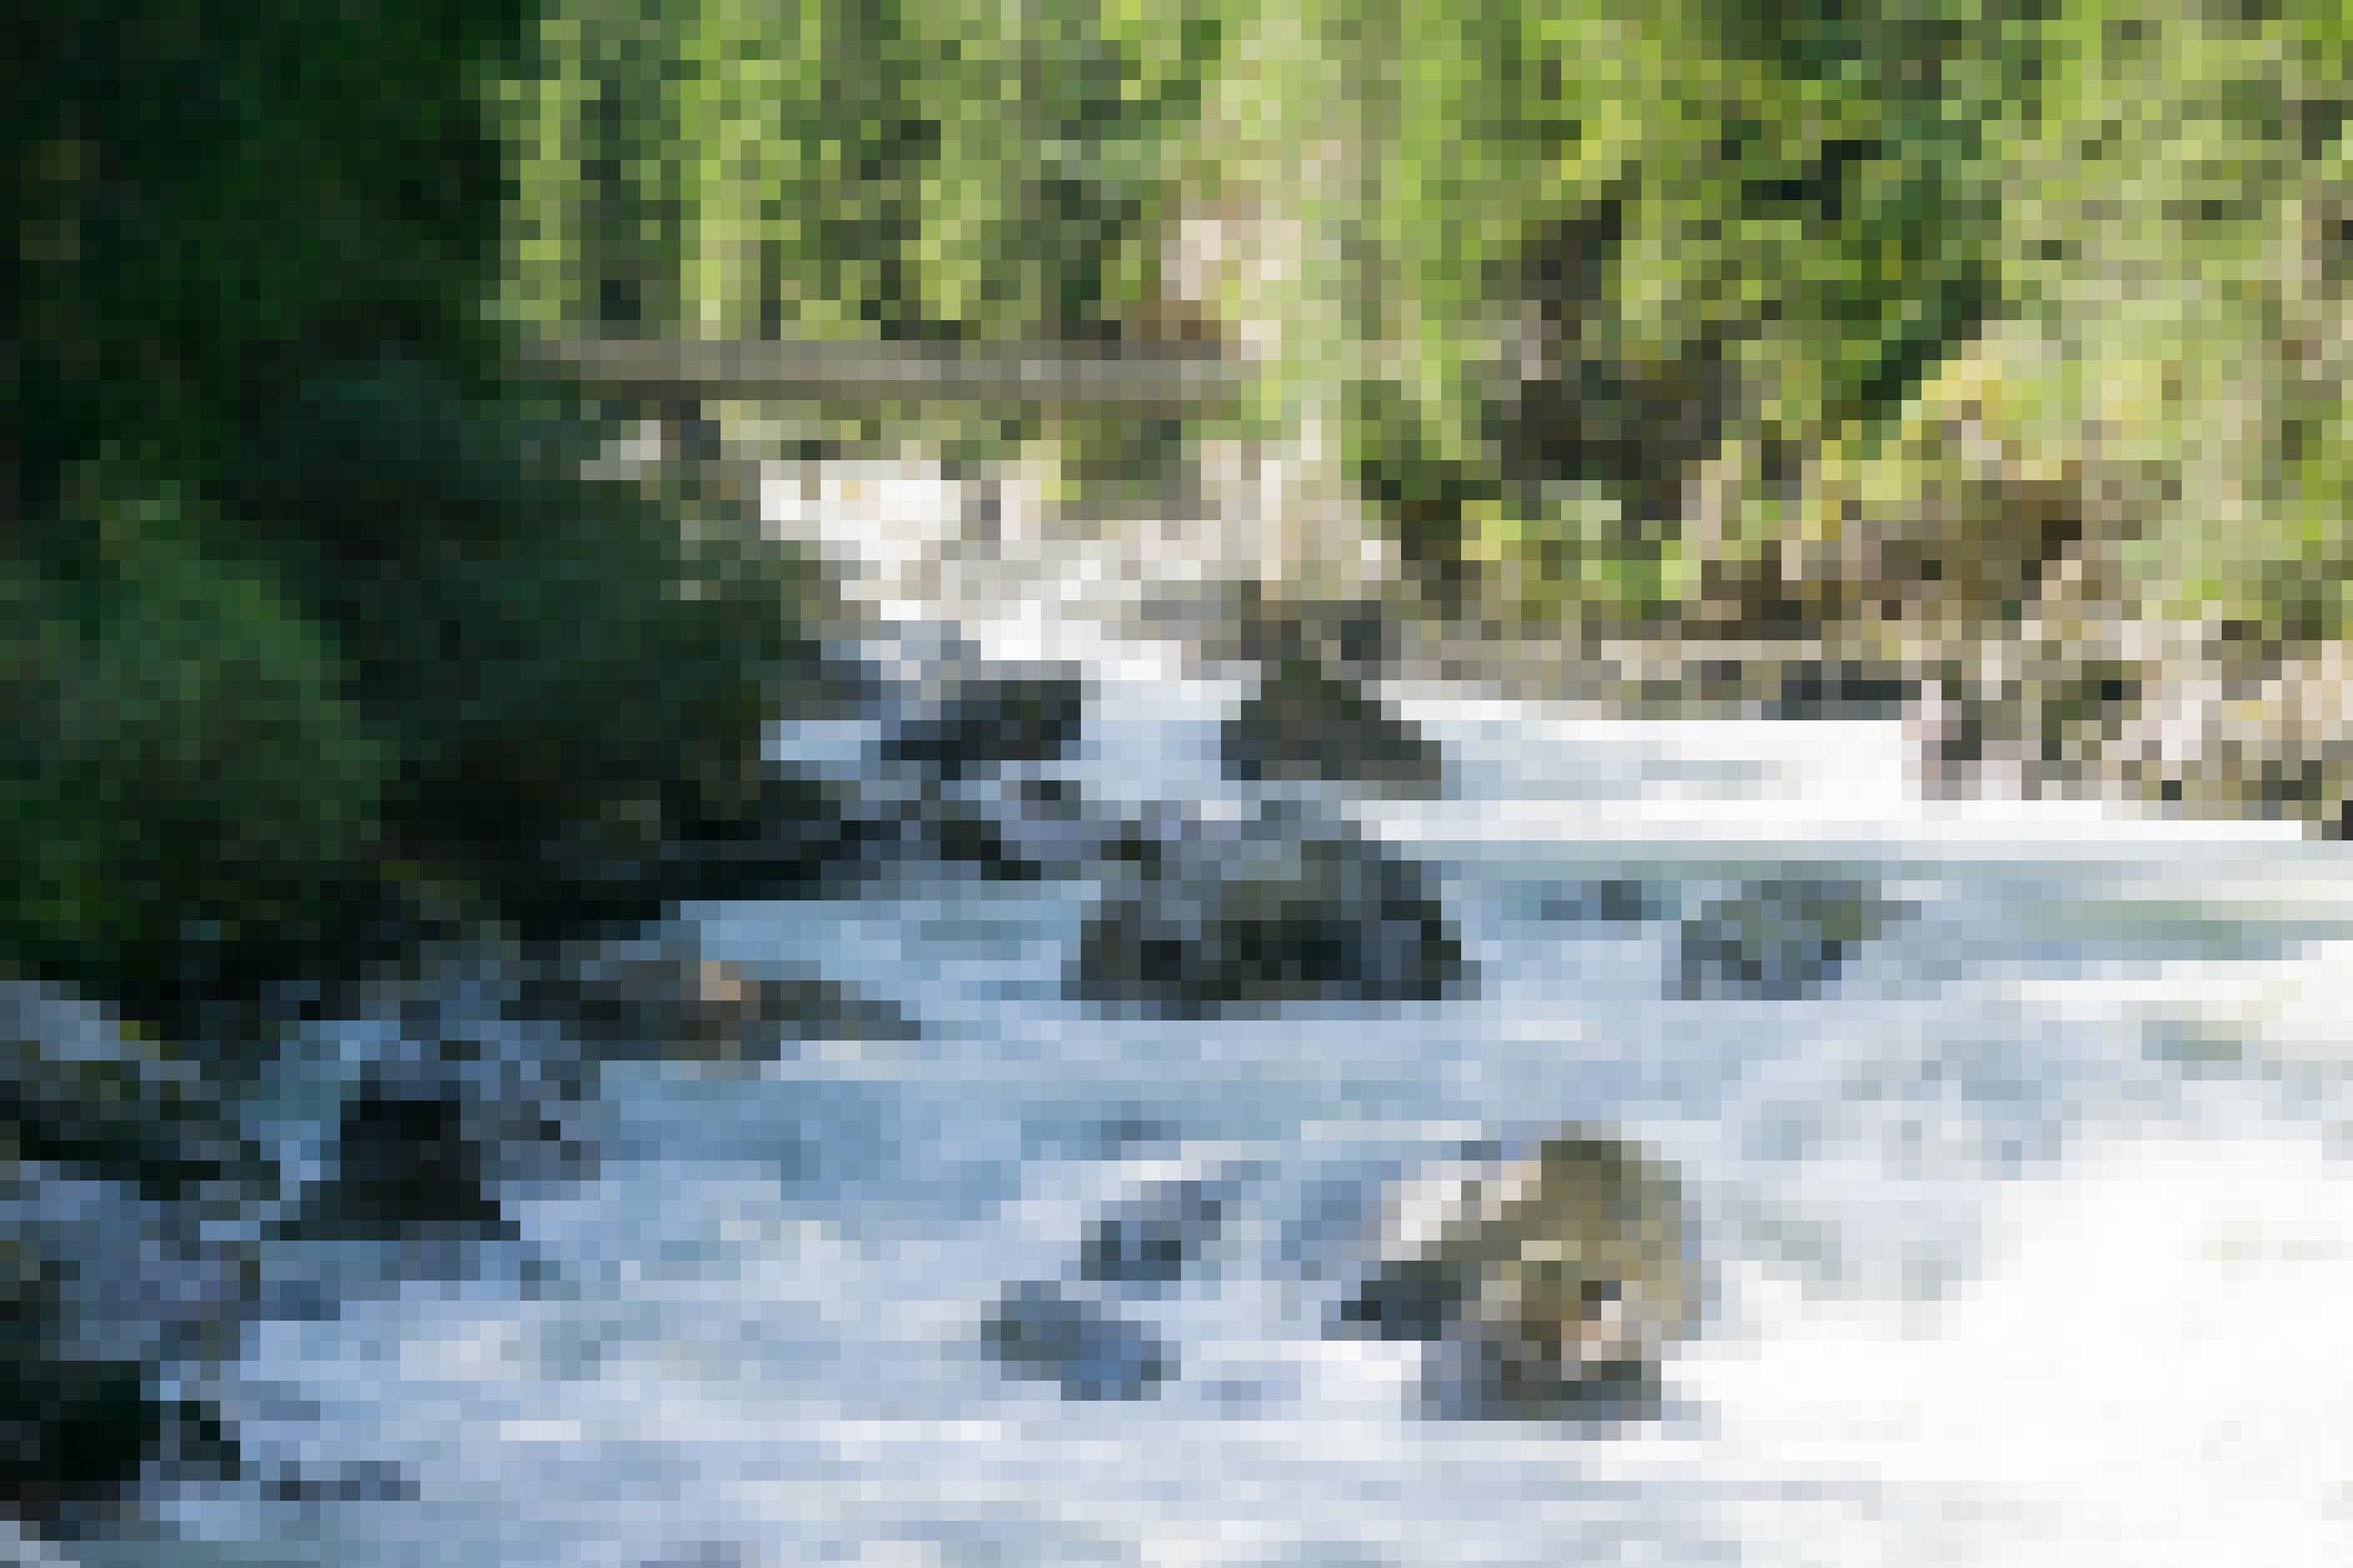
x,y
2027,1239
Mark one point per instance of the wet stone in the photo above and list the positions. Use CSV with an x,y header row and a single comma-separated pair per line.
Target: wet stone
x,y
101,1289
1608,902
1779,940
1550,1285
957,726
1219,918
670,1004
1040,1330
77,1090
404,1160
1308,724
1840,690
1155,1238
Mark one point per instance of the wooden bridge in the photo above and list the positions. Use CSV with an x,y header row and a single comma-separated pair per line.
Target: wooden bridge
x,y
1142,379
1297,514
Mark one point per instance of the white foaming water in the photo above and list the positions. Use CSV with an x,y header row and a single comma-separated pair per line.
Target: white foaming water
x,y
2027,1239
2150,1372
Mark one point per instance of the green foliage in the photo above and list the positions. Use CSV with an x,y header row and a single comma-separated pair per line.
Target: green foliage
x,y
846,168
544,648
308,620
1723,270
220,192
184,779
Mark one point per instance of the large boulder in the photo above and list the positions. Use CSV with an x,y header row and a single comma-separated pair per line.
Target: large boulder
x,y
1213,918
1551,1283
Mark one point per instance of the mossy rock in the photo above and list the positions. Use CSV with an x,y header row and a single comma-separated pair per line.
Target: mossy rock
x,y
1555,1280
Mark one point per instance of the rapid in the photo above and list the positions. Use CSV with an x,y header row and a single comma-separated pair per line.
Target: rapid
x,y
2026,1237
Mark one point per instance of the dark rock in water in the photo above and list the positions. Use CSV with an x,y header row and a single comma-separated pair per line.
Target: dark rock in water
x,y
1048,827
101,1287
959,833
1155,1238
408,1159
113,1149
74,1435
1781,940
360,1480
787,837
669,1003
1038,1330
1354,639
1844,690
981,722
1547,1283
1616,900
1410,1299
1308,724
1216,918
75,1090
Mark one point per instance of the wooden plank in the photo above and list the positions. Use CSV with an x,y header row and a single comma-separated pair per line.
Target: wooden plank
x,y
1141,377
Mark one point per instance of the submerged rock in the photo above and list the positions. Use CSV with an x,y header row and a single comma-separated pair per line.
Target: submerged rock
x,y
1040,1330
962,723
1154,1238
1215,918
1550,1283
1780,940
1606,902
1309,723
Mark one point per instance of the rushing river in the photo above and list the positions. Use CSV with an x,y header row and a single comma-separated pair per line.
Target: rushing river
x,y
2028,1240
